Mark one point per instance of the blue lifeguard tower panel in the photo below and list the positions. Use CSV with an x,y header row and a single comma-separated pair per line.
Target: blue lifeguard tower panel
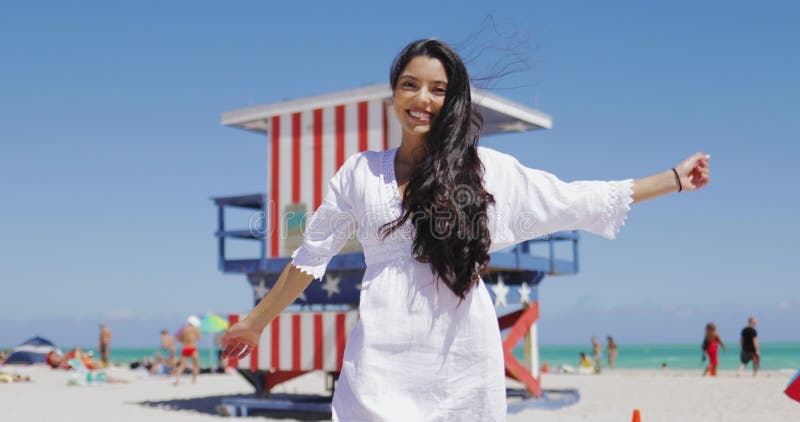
x,y
308,140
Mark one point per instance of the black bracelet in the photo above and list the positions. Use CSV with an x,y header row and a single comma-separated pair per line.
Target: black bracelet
x,y
680,185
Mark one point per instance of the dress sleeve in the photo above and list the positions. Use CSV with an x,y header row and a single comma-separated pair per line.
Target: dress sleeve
x,y
331,225
531,203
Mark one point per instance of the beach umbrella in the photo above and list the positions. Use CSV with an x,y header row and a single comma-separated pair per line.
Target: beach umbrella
x,y
212,324
32,351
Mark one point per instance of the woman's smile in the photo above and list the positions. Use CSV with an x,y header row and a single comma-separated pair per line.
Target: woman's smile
x,y
420,116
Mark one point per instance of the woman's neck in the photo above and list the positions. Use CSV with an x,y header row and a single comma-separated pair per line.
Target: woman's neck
x,y
409,155
411,152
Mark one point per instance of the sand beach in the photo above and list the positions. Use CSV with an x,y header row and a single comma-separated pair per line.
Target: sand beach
x,y
672,395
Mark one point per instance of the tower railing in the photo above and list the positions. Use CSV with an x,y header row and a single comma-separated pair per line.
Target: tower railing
x,y
517,258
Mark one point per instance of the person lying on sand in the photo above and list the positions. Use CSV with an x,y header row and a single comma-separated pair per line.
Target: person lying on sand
x,y
6,377
57,359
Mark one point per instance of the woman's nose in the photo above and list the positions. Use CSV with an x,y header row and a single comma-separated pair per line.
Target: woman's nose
x,y
423,98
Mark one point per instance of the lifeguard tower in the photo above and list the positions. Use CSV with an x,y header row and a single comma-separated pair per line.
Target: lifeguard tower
x,y
308,140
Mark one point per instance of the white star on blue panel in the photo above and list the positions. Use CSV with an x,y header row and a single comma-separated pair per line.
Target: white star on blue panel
x,y
331,285
500,292
524,293
261,290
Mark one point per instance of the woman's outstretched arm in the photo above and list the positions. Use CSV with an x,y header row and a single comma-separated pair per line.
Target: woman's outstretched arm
x,y
243,336
323,237
692,174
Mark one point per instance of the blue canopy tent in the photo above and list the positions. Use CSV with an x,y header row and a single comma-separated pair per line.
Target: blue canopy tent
x,y
32,351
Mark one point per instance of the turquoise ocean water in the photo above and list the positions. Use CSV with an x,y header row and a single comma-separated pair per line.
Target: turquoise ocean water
x,y
677,356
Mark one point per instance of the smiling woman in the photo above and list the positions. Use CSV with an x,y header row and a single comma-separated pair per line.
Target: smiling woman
x,y
438,156
428,213
419,94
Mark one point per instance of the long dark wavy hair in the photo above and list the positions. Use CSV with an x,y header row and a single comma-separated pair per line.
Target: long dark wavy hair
x,y
445,197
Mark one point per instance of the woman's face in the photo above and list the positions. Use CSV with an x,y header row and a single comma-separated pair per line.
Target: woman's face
x,y
419,95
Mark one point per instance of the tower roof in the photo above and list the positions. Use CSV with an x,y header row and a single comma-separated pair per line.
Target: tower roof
x,y
500,114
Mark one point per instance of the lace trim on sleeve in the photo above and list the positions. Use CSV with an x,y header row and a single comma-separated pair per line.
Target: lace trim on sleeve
x,y
620,198
313,265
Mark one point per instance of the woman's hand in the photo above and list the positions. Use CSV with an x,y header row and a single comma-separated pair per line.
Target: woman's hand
x,y
240,339
694,172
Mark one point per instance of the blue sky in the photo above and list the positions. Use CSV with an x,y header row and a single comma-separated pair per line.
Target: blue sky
x,y
111,148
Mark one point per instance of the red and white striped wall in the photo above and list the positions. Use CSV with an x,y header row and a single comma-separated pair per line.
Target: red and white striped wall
x,y
306,149
300,341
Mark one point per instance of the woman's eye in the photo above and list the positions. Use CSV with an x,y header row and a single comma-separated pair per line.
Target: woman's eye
x,y
408,84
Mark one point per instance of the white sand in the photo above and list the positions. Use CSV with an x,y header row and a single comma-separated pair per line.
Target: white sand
x,y
612,396
672,396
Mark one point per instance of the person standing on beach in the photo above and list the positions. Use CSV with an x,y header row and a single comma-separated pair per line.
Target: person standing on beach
x,y
711,344
597,355
750,349
426,345
189,336
167,344
104,345
612,351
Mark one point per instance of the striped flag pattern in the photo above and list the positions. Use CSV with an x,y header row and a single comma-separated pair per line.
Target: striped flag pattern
x,y
300,341
307,148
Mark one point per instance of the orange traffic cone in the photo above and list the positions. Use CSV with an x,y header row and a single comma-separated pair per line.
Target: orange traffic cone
x,y
636,416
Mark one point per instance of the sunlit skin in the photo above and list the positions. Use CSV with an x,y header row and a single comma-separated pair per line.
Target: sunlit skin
x,y
418,98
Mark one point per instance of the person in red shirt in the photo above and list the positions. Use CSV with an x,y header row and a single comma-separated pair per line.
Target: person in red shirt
x,y
711,345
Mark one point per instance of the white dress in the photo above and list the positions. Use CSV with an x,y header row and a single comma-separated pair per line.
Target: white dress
x,y
415,354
